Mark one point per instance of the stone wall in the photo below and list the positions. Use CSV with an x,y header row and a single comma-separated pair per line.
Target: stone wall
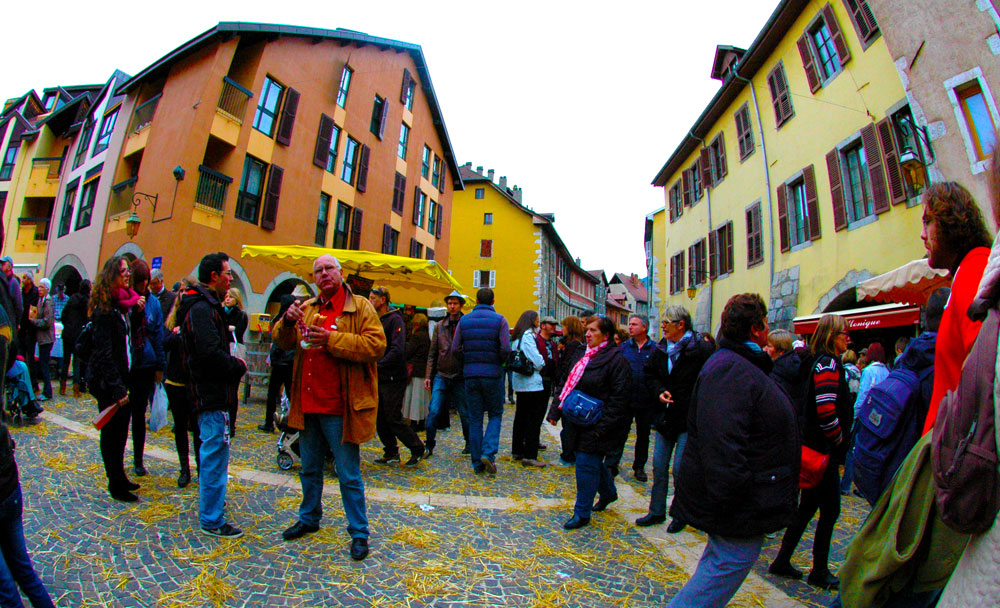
x,y
783,305
851,279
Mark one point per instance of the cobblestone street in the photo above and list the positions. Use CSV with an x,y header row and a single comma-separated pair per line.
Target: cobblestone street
x,y
441,536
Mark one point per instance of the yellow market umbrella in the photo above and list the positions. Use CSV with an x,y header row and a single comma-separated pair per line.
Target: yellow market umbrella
x,y
409,280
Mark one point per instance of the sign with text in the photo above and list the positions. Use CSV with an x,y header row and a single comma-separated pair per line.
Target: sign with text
x,y
157,262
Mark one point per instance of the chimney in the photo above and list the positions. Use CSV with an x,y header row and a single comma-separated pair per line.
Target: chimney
x,y
468,165
490,174
479,169
635,279
517,194
503,182
578,262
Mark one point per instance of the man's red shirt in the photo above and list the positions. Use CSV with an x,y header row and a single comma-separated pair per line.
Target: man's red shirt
x,y
322,392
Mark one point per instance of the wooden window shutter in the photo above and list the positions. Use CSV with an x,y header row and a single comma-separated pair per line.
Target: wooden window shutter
x,y
671,205
713,253
783,217
723,168
772,85
812,201
808,63
730,260
269,214
680,271
836,34
322,153
705,161
413,247
362,181
384,118
406,86
356,229
440,220
416,205
890,158
493,279
678,201
673,275
691,263
386,237
444,169
284,135
880,194
686,181
836,189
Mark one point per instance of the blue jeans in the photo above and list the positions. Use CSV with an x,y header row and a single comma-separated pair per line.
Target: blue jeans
x,y
446,391
592,478
485,398
214,473
15,567
661,466
323,432
722,568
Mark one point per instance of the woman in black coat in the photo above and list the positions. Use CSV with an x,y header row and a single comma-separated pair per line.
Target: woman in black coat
x,y
74,317
108,371
604,374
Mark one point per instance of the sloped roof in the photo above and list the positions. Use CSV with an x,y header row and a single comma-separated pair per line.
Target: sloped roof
x,y
638,291
227,29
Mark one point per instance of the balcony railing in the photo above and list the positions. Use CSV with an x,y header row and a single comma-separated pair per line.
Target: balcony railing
x,y
233,100
41,226
121,197
54,164
143,114
212,188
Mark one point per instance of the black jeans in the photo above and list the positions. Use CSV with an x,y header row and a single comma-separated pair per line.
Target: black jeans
x,y
281,376
140,389
642,429
389,423
528,417
826,498
184,421
44,369
114,434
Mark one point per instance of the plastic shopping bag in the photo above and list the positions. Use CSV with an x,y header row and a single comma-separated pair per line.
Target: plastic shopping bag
x,y
158,413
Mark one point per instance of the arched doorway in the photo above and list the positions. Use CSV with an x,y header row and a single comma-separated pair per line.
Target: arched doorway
x,y
69,276
282,289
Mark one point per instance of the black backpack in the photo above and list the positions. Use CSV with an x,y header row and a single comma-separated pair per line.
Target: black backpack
x,y
84,345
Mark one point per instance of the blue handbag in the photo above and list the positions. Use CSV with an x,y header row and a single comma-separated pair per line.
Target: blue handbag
x,y
581,409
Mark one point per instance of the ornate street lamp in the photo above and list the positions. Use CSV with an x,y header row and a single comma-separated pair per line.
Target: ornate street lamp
x,y
133,222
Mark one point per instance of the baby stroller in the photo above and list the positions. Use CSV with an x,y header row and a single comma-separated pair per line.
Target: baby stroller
x,y
19,399
288,440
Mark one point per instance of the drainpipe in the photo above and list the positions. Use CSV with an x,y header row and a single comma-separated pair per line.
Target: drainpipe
x,y
767,169
708,210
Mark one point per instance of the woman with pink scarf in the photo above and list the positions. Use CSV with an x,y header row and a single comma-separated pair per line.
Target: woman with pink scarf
x,y
603,374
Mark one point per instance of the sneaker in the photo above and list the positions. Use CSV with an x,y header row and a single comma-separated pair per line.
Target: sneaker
x,y
223,531
387,459
488,465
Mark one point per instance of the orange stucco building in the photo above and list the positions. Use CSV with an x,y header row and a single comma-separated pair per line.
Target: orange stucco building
x,y
273,135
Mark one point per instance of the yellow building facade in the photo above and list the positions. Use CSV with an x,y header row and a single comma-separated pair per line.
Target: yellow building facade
x,y
789,184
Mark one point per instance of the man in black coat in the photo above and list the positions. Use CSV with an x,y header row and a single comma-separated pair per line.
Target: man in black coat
x,y
671,371
739,477
389,423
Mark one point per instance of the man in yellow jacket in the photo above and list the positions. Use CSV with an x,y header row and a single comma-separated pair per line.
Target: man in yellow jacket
x,y
338,338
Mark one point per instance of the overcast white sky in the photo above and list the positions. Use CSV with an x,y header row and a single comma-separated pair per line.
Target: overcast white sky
x,y
579,104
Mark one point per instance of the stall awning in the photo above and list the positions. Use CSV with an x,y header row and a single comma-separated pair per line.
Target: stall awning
x,y
875,317
911,283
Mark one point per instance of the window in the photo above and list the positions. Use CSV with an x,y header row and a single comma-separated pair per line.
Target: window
x,y
564,272
857,185
399,193
331,160
696,264
350,160
9,157
864,20
390,240
677,272
829,62
692,184
780,96
416,249
341,226
49,101
406,93
430,254
744,133
87,198
68,201
436,176
322,219
380,110
419,206
404,140
82,145
486,248
480,193
675,203
484,278
345,86
979,123
104,135
822,49
755,240
425,163
356,229
267,108
717,154
432,217
251,190
488,219
720,251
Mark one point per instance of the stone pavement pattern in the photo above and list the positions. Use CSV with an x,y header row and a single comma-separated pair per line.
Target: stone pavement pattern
x,y
441,536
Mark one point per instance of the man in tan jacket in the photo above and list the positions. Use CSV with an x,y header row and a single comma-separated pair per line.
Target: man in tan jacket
x,y
338,339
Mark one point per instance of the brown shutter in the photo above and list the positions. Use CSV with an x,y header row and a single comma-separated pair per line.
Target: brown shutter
x,y
362,183
686,181
444,169
673,274
416,205
288,117
406,85
680,271
322,153
783,216
866,12
691,263
382,120
808,64
836,190
680,201
713,254
706,168
386,237
671,205
890,156
269,214
440,220
838,36
730,260
880,194
356,229
723,166
812,201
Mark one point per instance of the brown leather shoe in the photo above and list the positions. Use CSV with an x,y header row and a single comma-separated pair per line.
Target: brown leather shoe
x,y
62,387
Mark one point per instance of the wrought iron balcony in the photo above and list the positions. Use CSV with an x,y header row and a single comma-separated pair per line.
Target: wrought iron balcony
x,y
212,188
233,100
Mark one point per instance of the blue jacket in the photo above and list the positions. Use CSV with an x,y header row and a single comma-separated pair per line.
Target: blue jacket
x,y
636,357
482,342
151,355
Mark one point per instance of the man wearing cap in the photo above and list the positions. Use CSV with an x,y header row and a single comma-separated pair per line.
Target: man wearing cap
x,y
392,378
482,343
444,374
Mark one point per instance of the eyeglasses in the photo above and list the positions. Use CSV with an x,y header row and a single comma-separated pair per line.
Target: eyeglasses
x,y
669,321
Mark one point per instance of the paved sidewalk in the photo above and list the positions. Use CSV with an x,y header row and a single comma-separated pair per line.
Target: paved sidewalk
x,y
441,536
